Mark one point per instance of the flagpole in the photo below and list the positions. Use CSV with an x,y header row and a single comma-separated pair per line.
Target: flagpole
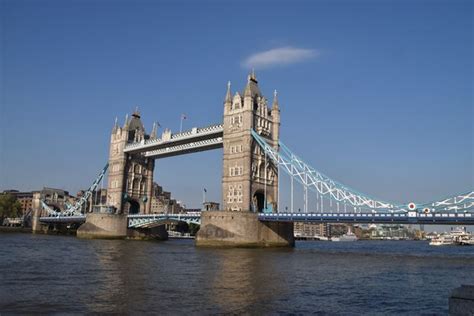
x,y
183,117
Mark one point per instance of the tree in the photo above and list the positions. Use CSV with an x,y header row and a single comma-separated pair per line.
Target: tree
x,y
9,206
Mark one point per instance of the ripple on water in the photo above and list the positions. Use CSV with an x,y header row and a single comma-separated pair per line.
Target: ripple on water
x,y
46,274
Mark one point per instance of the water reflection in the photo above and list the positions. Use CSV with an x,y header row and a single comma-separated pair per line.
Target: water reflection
x,y
244,279
48,274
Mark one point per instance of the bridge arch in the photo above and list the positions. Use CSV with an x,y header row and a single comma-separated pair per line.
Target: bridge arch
x,y
258,201
133,206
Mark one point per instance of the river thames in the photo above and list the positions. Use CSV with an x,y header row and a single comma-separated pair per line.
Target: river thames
x,y
47,274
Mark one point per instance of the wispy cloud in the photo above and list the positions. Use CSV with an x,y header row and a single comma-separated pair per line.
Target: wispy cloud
x,y
279,56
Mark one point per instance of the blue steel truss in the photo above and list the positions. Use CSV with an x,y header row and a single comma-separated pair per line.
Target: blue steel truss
x,y
75,210
151,220
315,180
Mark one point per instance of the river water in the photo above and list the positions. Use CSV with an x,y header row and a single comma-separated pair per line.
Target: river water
x,y
46,274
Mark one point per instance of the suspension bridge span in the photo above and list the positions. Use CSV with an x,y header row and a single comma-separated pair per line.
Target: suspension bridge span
x,y
253,159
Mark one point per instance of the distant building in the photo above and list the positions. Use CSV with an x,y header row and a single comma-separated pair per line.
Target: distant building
x,y
312,230
98,197
337,229
391,232
25,199
56,199
161,201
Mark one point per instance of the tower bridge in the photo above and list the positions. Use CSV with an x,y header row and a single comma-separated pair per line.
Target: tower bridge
x,y
253,157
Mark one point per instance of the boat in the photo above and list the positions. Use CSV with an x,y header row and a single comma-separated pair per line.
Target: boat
x,y
457,236
466,241
462,237
442,240
349,236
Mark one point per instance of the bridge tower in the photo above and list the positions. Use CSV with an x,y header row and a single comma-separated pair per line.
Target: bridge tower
x,y
130,180
250,181
130,184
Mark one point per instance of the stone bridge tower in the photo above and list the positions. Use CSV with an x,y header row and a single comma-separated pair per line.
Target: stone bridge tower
x,y
130,175
249,182
249,185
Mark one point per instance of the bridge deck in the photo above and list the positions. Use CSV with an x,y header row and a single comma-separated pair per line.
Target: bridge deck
x,y
373,218
144,220
194,140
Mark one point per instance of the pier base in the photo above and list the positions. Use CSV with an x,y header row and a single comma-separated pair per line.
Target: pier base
x,y
100,225
461,301
114,226
36,225
242,229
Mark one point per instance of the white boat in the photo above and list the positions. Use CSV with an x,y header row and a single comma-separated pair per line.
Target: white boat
x,y
442,240
457,236
466,241
349,236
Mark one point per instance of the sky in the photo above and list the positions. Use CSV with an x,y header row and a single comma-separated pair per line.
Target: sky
x,y
376,94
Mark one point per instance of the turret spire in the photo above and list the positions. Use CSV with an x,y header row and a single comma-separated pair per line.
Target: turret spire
x,y
154,131
228,95
115,125
125,125
275,100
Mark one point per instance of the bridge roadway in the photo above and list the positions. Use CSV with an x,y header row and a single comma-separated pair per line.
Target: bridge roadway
x,y
150,220
194,140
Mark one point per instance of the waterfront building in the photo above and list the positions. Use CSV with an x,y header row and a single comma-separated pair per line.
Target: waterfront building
x,y
99,197
24,198
161,201
312,230
56,198
391,232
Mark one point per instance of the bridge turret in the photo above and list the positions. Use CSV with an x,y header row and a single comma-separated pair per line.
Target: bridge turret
x,y
154,130
125,124
116,127
135,128
228,99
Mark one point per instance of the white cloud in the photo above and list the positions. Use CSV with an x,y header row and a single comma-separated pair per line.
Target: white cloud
x,y
279,56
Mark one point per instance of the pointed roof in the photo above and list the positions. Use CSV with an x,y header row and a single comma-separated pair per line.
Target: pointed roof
x,y
154,130
275,100
228,95
125,124
252,89
115,125
134,122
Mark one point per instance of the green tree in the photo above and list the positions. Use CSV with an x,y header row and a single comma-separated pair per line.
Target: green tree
x,y
9,206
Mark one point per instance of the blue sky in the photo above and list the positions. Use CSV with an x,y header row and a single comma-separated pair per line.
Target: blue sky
x,y
376,94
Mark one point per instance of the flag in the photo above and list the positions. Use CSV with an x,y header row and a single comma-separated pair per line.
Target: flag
x,y
205,190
